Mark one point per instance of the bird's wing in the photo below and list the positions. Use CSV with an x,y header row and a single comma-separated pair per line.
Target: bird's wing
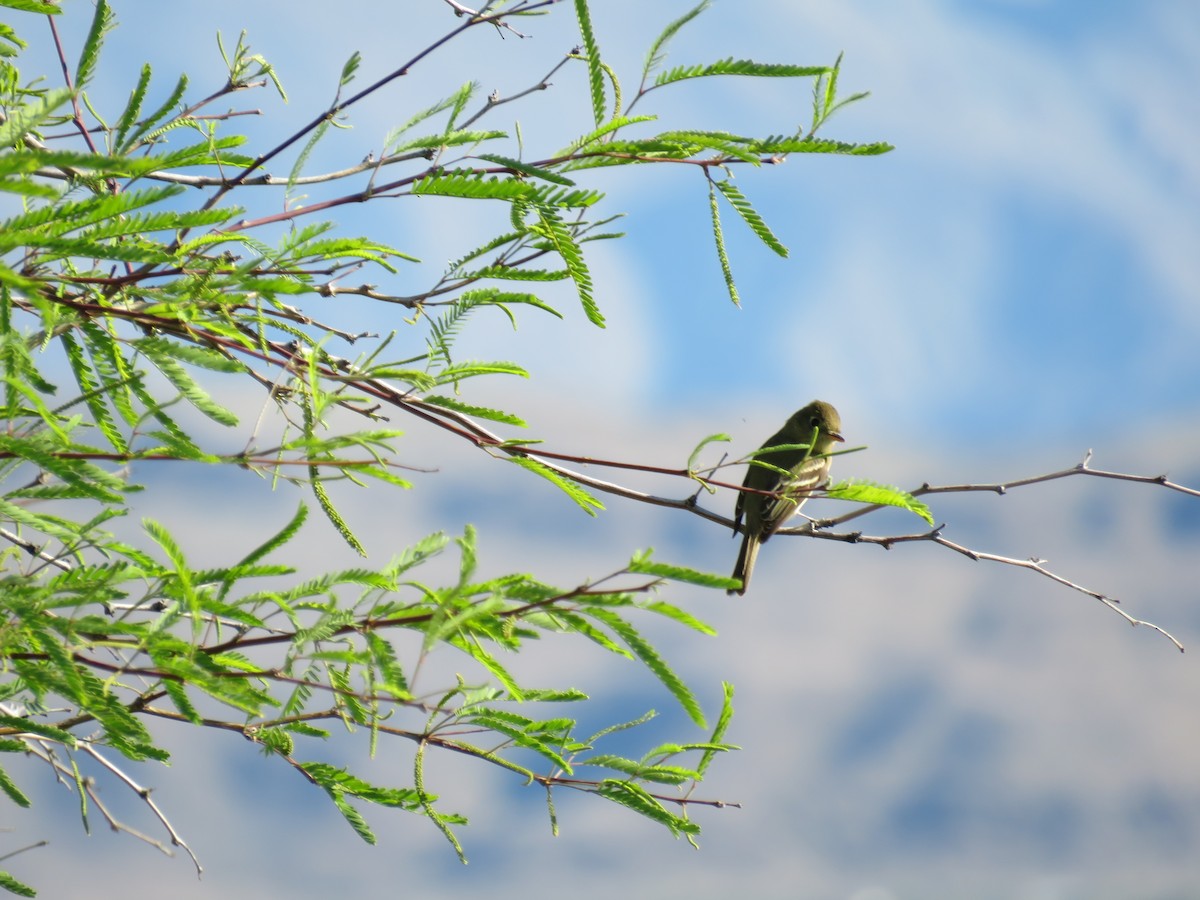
x,y
807,476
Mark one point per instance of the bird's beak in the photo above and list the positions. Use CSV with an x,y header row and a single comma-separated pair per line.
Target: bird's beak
x,y
837,437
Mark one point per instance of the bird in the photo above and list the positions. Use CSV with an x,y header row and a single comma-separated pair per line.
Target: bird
x,y
818,426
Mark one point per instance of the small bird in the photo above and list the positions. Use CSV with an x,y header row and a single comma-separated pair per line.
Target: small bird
x,y
807,467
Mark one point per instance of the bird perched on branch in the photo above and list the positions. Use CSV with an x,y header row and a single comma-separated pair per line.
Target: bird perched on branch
x,y
791,473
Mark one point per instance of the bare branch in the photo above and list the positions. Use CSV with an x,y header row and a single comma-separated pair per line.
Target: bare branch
x,y
144,793
934,536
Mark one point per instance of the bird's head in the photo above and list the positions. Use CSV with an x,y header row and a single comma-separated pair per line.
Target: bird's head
x,y
823,417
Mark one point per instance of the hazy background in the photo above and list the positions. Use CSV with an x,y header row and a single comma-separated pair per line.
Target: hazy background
x,y
1015,284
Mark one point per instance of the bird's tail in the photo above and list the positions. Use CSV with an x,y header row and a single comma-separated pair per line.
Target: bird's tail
x,y
745,563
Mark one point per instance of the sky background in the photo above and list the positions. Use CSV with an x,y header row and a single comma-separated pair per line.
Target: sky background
x,y
1015,284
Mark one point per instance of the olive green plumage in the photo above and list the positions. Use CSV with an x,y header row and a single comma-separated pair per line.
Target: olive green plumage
x,y
808,468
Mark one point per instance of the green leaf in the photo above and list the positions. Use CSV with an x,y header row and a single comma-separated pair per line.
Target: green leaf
x,y
468,559
455,268
817,145
15,794
682,616
564,243
719,437
459,371
183,574
719,237
87,479
518,731
659,774
302,157
474,186
592,140
268,546
133,107
638,799
581,626
527,169
449,621
442,822
350,68
24,119
33,6
723,143
331,777
434,142
513,273
29,726
46,524
131,251
550,695
641,565
457,100
592,56
102,22
722,726
733,66
194,355
69,215
644,651
488,661
206,153
390,674
750,216
157,116
353,817
338,783
180,698
621,726
163,354
657,52
479,412
7,882
93,393
879,495
572,489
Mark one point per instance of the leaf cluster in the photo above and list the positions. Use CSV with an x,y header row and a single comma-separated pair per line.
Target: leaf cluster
x,y
151,262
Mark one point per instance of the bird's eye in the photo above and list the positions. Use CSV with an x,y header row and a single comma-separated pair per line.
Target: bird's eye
x,y
814,421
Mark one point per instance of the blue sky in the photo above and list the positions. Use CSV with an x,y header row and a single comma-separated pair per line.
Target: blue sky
x,y
1015,284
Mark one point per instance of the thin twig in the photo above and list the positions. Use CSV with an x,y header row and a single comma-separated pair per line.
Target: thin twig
x,y
144,793
934,536
1003,487
33,846
34,550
